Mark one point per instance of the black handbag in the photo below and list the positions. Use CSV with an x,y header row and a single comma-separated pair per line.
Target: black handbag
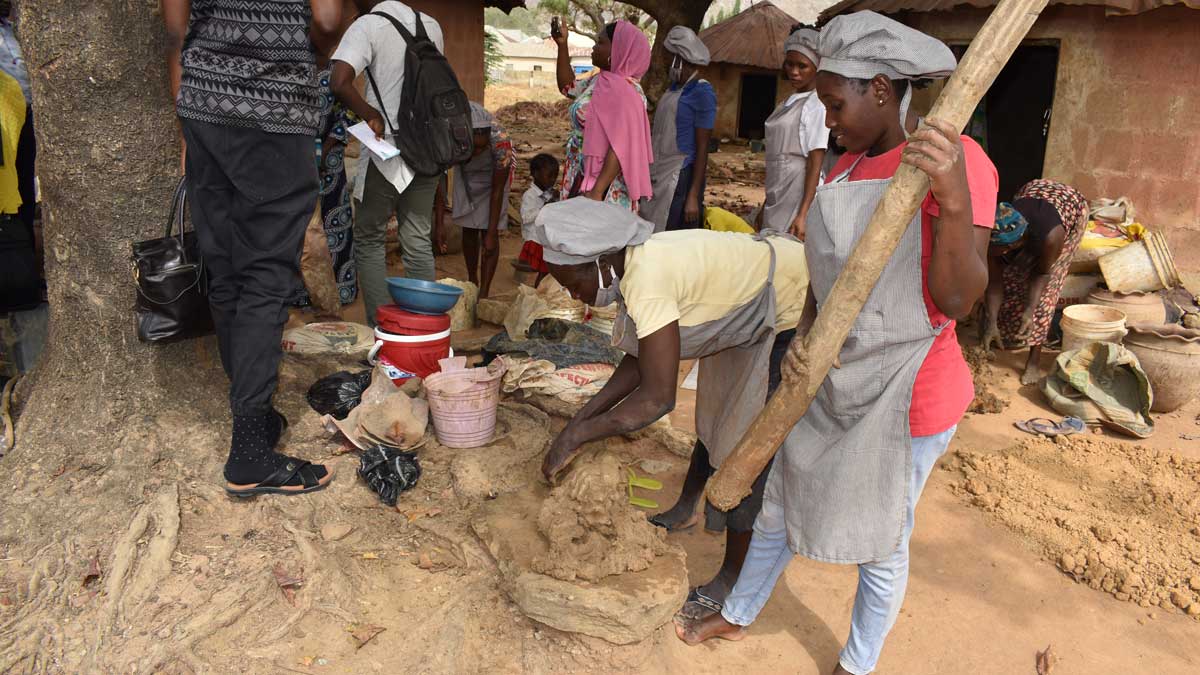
x,y
20,286
172,288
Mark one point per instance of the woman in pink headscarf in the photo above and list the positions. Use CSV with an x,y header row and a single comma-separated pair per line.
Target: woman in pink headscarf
x,y
608,151
609,148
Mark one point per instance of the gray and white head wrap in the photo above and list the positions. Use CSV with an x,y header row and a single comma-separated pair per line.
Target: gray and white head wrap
x,y
865,44
581,230
684,43
805,41
480,117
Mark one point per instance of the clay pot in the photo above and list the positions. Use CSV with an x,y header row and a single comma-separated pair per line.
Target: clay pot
x,y
1138,307
1170,355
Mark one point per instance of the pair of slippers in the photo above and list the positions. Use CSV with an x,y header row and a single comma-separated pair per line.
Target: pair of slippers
x,y
1044,426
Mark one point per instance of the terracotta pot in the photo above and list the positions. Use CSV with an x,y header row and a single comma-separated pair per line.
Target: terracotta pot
x,y
1170,355
1138,307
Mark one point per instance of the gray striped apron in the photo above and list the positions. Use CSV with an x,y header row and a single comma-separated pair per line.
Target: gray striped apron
x,y
735,359
668,161
842,475
787,166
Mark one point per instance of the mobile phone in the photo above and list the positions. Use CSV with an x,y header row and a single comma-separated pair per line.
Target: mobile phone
x,y
555,29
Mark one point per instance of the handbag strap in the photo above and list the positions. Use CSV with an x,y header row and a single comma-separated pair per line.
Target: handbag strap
x,y
178,204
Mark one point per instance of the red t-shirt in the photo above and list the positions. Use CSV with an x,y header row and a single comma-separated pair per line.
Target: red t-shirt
x,y
943,389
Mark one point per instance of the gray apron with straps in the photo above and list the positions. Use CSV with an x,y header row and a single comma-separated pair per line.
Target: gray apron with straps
x,y
735,359
787,166
473,193
842,475
668,161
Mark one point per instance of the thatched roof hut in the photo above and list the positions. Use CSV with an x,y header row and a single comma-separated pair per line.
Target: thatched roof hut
x,y
747,53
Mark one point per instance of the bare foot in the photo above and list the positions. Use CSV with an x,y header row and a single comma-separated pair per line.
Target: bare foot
x,y
676,519
839,670
1031,375
716,590
712,626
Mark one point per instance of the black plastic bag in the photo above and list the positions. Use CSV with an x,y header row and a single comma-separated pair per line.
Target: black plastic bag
x,y
389,471
339,393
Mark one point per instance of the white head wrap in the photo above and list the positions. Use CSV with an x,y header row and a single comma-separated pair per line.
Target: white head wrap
x,y
580,230
480,117
684,43
865,44
805,41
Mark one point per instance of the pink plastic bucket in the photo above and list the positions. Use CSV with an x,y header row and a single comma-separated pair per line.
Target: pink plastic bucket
x,y
463,405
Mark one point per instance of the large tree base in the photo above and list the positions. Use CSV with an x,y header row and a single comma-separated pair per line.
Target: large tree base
x,y
133,559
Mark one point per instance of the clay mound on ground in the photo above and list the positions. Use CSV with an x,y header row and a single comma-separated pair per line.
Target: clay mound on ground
x,y
1119,517
640,580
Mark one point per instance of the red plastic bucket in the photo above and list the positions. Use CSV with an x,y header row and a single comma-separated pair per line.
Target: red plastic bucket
x,y
393,319
406,356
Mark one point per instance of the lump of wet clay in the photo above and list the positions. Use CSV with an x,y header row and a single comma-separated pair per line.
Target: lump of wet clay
x,y
591,528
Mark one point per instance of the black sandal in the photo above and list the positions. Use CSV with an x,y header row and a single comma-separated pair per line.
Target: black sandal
x,y
706,605
277,483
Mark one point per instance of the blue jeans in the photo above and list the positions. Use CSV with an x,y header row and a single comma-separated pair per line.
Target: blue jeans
x,y
881,584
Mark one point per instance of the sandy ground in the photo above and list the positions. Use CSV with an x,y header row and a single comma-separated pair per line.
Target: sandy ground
x,y
982,598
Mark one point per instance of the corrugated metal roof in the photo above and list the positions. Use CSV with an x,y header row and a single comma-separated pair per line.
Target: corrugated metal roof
x,y
1112,7
754,37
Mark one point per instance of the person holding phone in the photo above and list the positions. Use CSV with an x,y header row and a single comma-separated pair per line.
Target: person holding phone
x,y
609,149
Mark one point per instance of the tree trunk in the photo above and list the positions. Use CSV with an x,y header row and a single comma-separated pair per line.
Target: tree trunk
x,y
668,14
113,436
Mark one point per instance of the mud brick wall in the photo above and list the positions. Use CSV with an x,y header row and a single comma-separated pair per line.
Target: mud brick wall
x,y
462,26
1125,102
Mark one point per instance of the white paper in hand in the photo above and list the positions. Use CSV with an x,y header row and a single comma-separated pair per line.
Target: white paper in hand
x,y
366,136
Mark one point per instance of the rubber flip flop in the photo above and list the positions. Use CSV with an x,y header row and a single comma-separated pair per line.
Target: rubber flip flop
x,y
657,521
645,484
1048,427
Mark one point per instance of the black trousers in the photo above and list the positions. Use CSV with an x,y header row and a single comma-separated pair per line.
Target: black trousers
x,y
251,194
27,172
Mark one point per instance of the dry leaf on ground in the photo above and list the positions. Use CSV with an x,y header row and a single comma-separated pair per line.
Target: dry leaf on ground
x,y
287,582
363,633
1045,661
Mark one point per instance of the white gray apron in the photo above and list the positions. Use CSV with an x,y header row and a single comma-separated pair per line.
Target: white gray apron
x,y
473,193
735,360
668,161
842,475
787,166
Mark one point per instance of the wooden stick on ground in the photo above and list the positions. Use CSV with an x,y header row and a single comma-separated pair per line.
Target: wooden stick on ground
x,y
989,51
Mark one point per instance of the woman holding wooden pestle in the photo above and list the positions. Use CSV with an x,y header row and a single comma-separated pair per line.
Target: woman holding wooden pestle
x,y
731,300
847,479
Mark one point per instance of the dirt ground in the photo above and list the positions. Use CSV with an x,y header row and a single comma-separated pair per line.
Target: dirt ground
x,y
1021,543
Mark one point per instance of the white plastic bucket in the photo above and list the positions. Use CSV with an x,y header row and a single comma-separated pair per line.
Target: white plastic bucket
x,y
1085,324
1145,265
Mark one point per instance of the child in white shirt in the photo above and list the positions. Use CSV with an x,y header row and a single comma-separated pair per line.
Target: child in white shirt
x,y
544,170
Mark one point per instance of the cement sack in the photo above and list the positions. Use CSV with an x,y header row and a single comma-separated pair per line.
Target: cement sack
x,y
576,384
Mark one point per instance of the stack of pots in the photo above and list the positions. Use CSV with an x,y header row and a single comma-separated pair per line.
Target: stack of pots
x,y
408,344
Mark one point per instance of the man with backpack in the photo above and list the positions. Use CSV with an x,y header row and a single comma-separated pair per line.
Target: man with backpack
x,y
400,51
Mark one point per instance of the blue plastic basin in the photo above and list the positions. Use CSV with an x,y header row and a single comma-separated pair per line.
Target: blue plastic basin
x,y
422,297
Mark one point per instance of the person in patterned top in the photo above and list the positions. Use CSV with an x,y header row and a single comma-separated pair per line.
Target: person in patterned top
x,y
243,73
481,187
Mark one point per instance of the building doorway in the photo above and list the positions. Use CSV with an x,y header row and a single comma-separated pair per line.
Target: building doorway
x,y
1012,121
756,104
